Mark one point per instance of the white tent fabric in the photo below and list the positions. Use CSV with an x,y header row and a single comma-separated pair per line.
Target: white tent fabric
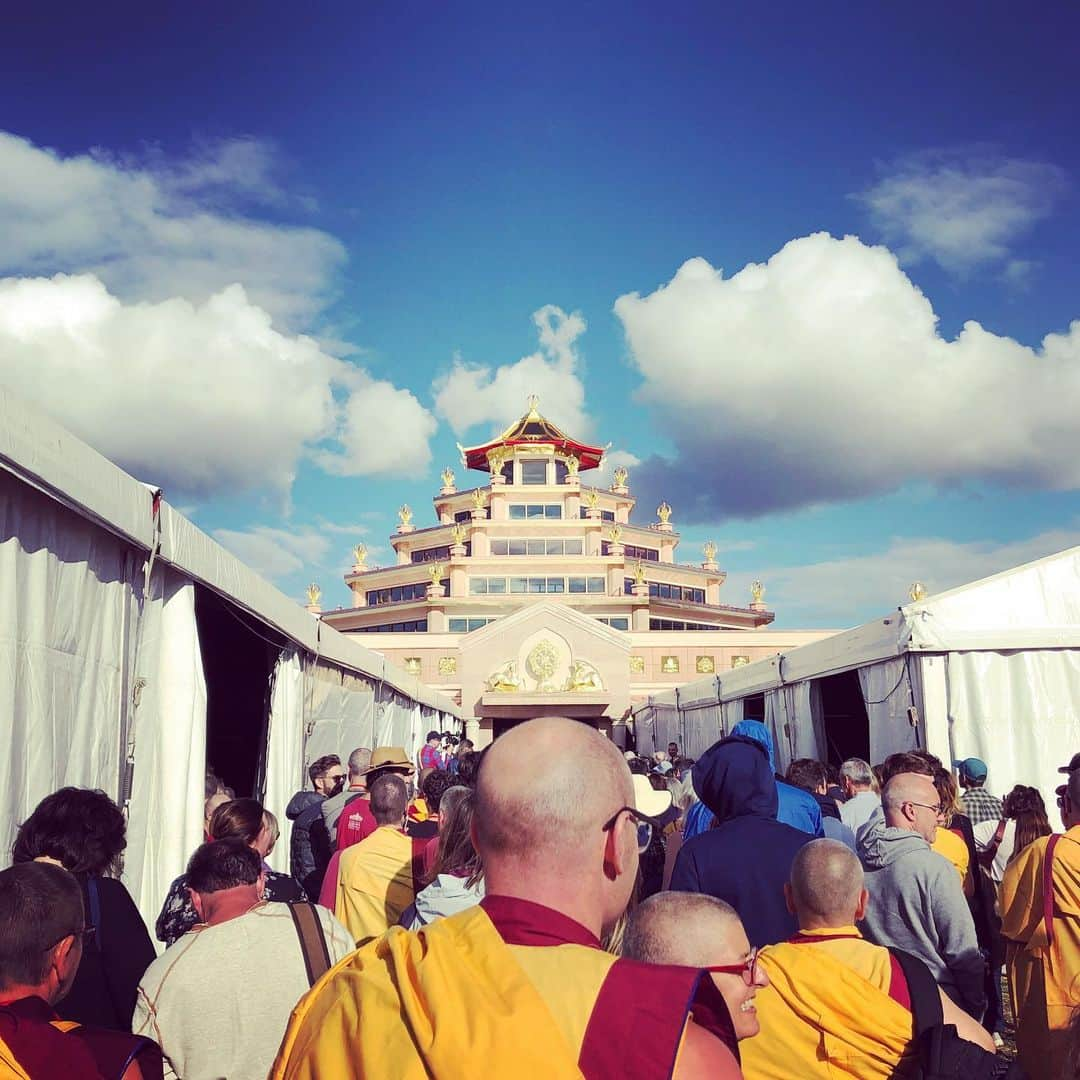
x,y
888,694
341,713
63,599
1019,712
167,744
284,773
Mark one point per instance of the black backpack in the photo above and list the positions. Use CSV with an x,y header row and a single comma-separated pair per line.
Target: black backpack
x,y
943,1055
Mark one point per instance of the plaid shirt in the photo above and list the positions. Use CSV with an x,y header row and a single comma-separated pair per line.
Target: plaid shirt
x,y
980,805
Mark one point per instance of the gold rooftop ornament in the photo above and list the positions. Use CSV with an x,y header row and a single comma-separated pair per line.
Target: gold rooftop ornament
x,y
533,402
459,532
314,595
592,499
479,499
757,591
917,592
615,534
359,554
448,477
663,512
435,572
404,513
710,550
619,477
572,466
639,573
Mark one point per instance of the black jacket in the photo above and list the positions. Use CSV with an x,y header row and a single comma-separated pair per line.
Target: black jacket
x,y
745,858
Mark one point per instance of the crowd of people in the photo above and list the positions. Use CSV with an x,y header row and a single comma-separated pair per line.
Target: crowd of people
x,y
550,906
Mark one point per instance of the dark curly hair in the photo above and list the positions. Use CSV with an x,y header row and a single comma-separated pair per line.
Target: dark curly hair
x,y
81,828
435,785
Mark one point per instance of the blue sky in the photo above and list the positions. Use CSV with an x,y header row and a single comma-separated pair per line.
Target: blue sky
x,y
430,213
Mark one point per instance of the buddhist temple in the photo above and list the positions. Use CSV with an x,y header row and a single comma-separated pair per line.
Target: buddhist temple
x,y
536,593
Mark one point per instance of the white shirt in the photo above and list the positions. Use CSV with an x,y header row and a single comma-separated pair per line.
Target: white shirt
x,y
984,833
857,810
218,1001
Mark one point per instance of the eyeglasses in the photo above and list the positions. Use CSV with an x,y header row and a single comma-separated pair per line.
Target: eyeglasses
x,y
644,826
938,809
747,969
86,933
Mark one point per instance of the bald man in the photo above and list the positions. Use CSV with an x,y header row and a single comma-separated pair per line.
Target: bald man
x,y
694,930
520,986
829,988
917,900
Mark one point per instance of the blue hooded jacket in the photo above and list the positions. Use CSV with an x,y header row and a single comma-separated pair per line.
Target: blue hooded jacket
x,y
746,858
798,808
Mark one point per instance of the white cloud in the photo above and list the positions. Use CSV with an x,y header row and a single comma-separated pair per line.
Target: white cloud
x,y
821,375
844,592
470,395
157,228
961,208
601,477
201,399
276,553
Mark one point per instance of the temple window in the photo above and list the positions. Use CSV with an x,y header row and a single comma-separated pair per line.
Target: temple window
x,y
534,471
616,622
525,511
538,546
399,594
466,626
605,515
678,624
663,591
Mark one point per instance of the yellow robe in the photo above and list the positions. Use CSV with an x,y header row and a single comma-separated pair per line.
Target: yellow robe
x,y
827,1013
1044,978
375,883
952,847
449,1001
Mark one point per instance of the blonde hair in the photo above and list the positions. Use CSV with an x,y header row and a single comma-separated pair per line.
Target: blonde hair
x,y
270,824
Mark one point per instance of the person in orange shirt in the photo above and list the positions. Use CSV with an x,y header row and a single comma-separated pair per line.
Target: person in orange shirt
x,y
519,985
1040,920
378,878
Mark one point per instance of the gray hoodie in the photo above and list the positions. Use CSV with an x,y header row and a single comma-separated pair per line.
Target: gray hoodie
x,y
917,905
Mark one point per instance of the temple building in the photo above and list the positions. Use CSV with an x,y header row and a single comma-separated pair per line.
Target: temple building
x,y
535,593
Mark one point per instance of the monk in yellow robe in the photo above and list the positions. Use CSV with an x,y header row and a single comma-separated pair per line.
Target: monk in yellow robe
x,y
1040,920
519,987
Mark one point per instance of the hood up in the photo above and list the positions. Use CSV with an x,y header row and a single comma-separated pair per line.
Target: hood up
x,y
880,844
447,895
756,730
733,778
301,801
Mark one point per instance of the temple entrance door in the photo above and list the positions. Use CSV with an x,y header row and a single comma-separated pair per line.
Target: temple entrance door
x,y
500,725
847,728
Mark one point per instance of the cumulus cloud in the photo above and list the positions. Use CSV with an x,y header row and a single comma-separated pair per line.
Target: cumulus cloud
x,y
839,593
471,395
276,553
155,228
200,398
961,208
820,376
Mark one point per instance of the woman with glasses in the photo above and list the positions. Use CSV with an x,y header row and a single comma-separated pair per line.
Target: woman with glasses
x,y
84,832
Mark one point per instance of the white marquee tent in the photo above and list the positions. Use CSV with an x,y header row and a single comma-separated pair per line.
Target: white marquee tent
x,y
988,670
101,672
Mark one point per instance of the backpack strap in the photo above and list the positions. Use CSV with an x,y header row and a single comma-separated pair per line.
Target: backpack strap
x,y
986,857
312,940
95,910
923,991
1048,887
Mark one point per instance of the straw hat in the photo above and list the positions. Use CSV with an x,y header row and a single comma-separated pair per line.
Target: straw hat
x,y
390,757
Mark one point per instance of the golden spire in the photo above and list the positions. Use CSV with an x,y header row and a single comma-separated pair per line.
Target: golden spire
x,y
534,401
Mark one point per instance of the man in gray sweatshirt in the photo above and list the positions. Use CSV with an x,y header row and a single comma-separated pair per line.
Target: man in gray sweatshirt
x,y
916,899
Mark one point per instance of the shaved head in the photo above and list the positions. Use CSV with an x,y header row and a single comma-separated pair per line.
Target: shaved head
x,y
680,928
826,883
543,787
908,787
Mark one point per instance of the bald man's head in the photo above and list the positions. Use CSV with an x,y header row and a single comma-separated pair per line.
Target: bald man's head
x,y
680,928
826,884
544,787
910,801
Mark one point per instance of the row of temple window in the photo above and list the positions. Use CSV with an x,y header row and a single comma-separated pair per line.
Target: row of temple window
x,y
665,591
467,626
414,590
536,546
482,586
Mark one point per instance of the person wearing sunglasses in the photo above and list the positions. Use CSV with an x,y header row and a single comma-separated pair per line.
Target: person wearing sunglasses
x,y
917,901
520,984
43,933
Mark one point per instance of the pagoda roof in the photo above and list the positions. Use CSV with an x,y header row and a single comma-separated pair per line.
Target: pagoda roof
x,y
532,429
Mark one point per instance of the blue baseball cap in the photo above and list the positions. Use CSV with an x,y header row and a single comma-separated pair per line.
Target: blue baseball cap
x,y
972,768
